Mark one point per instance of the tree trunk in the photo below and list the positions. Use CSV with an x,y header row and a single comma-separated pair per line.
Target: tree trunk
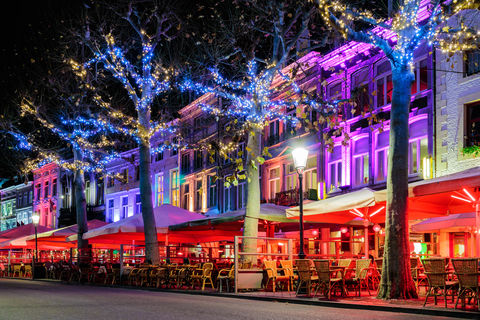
x,y
151,242
397,282
80,209
250,224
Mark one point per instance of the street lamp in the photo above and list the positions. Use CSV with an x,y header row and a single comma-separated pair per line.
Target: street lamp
x,y
300,156
35,220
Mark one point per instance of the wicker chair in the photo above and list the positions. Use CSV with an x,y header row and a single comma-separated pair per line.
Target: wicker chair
x,y
28,271
287,266
227,276
360,279
437,280
467,274
416,269
325,280
204,277
305,275
272,275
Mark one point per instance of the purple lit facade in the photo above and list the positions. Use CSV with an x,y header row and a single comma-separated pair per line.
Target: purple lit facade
x,y
352,71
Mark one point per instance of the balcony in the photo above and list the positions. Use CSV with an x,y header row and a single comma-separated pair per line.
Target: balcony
x,y
292,197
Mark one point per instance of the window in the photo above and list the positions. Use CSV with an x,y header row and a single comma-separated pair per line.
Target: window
x,y
198,195
185,168
291,177
159,190
381,156
229,197
197,123
110,182
111,205
418,146
334,169
159,156
37,192
212,191
198,159
360,92
421,77
138,204
273,132
242,194
125,176
124,212
383,83
66,197
54,187
99,193
174,151
472,62
137,173
186,196
472,134
87,192
274,182
175,188
360,162
46,191
334,91
310,174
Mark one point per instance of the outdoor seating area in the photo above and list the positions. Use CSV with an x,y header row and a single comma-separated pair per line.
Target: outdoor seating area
x,y
452,282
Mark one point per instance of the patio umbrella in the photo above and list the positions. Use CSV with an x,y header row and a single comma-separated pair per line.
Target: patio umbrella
x,y
454,221
59,236
21,231
131,231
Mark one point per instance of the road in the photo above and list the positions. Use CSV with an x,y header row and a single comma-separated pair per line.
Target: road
x,y
20,299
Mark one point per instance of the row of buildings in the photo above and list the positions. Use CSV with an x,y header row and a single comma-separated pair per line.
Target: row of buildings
x,y
444,119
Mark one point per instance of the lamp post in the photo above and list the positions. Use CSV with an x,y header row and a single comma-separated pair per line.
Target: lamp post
x,y
35,220
300,156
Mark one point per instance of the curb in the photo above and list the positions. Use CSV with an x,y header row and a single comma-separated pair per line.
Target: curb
x,y
330,304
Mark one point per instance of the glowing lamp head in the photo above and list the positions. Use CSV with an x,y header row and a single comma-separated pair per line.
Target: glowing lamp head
x,y
35,218
300,156
343,229
377,228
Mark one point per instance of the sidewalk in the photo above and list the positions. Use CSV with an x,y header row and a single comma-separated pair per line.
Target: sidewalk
x,y
365,302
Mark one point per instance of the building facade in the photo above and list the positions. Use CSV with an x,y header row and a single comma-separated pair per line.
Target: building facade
x,y
46,192
16,206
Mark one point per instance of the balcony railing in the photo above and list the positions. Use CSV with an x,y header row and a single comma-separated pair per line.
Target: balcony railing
x,y
292,197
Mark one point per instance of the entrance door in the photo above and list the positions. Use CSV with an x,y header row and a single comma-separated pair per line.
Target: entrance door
x,y
458,244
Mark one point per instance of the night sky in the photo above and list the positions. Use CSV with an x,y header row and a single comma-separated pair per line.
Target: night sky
x,y
31,30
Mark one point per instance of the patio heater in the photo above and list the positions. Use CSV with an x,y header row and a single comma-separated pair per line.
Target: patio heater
x,y
300,156
35,220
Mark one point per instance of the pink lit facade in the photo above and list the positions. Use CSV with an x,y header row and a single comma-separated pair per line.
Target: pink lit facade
x,y
45,194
